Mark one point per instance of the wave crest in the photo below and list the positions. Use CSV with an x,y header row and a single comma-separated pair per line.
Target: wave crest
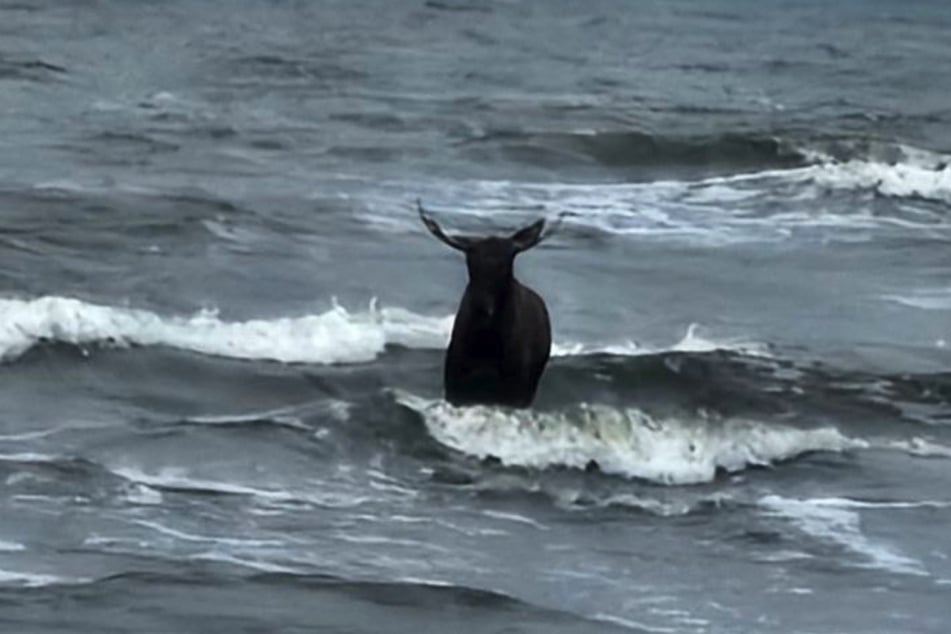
x,y
334,336
626,442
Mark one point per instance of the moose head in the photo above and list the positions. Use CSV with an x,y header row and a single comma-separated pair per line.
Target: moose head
x,y
490,261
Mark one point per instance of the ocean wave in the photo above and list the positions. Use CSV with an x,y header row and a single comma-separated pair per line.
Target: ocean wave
x,y
626,442
334,336
624,148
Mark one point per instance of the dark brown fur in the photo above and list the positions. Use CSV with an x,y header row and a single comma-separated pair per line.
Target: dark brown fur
x,y
501,339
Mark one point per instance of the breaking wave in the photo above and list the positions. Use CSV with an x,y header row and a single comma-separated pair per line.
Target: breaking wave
x,y
625,442
334,336
927,180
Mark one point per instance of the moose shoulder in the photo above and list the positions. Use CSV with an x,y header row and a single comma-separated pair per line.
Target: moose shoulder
x,y
501,339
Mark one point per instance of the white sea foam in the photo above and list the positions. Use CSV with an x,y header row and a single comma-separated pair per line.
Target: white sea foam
x,y
918,179
692,341
331,337
625,442
839,522
334,336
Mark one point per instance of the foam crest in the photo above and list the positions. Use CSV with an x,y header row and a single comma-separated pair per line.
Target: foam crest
x,y
334,336
625,442
903,180
692,341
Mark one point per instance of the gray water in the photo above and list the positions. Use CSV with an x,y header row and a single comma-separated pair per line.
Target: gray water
x,y
222,324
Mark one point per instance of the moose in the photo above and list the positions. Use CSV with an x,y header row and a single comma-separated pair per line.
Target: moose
x,y
501,338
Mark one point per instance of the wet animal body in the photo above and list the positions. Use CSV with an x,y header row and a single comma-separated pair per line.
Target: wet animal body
x,y
501,339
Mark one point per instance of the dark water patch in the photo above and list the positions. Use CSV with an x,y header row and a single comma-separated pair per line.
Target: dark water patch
x,y
115,148
57,479
269,68
694,109
398,431
98,211
269,144
714,154
463,7
834,51
371,154
589,495
480,38
207,598
781,65
382,121
212,132
717,15
168,382
131,140
704,67
733,384
19,6
722,381
32,70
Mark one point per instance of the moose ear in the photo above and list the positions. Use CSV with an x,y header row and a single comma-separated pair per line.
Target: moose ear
x,y
456,242
529,236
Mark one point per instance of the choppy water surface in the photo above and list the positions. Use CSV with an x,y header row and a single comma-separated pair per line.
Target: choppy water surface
x,y
221,324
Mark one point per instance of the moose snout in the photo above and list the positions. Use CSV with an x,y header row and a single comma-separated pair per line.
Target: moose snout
x,y
485,310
